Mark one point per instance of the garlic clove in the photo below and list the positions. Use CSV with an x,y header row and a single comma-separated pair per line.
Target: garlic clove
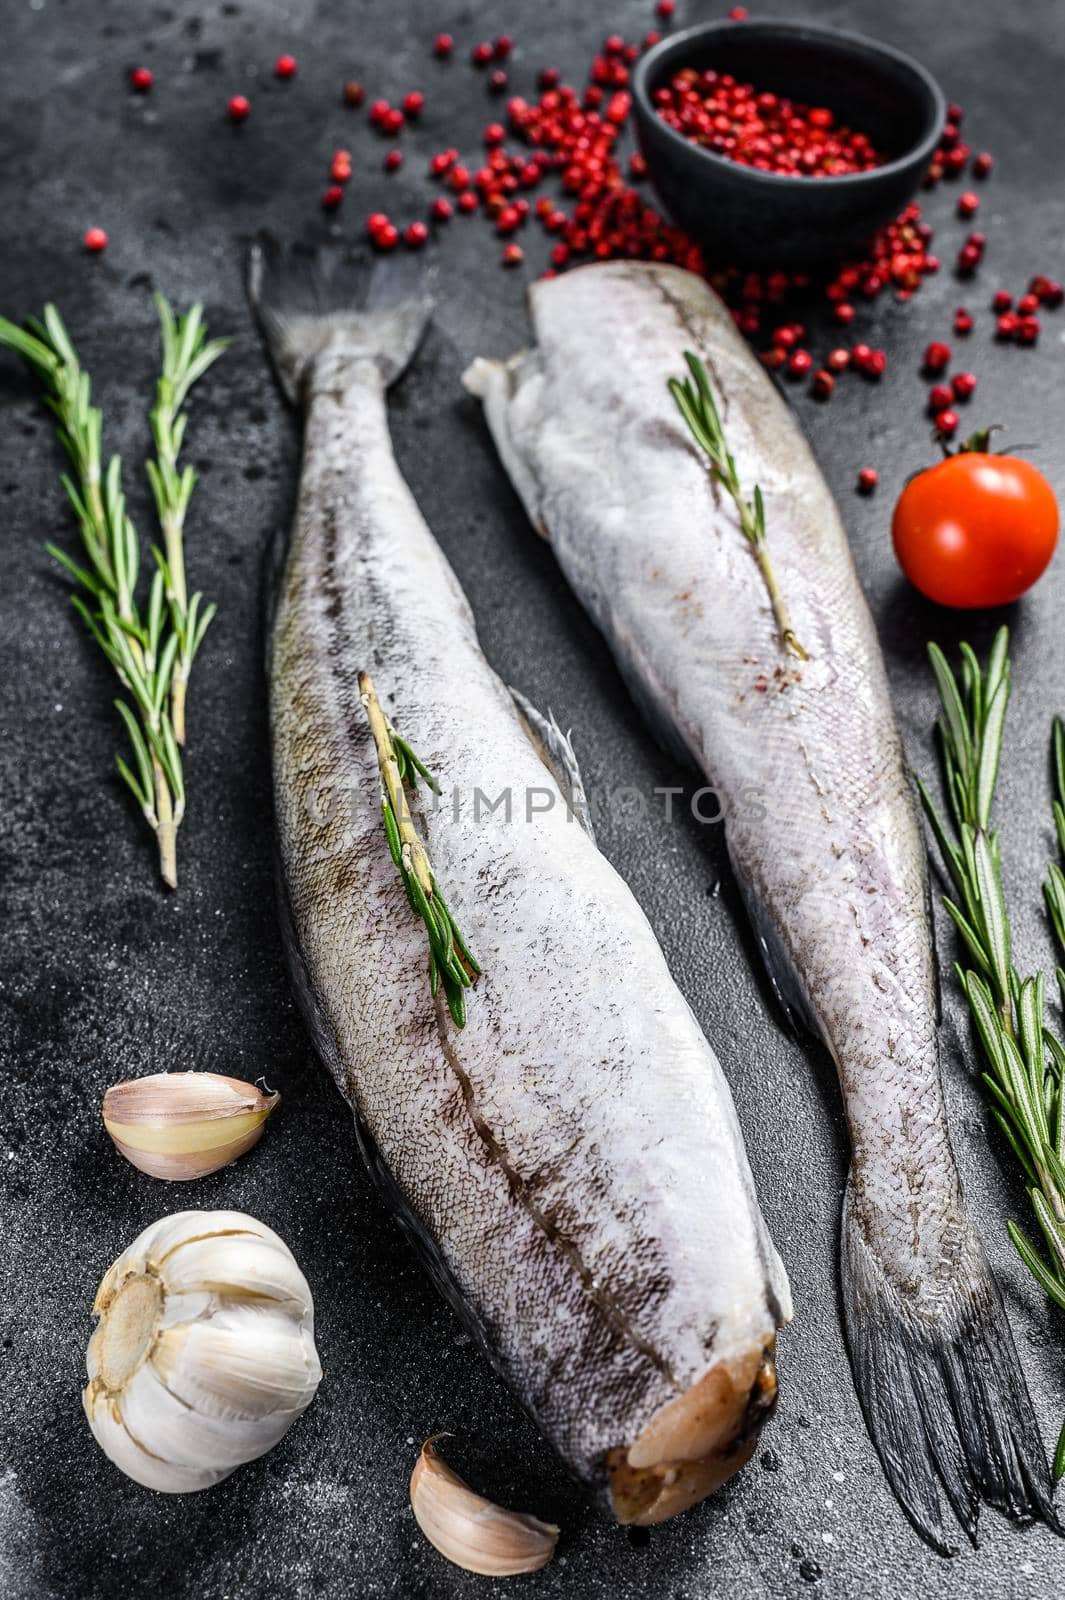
x,y
469,1530
237,1265
184,1125
214,1367
133,1458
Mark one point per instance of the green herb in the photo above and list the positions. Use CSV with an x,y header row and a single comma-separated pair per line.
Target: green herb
x,y
450,963
696,404
1025,1058
187,354
150,648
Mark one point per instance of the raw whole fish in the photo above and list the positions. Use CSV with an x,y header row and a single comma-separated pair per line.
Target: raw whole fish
x,y
831,862
570,1161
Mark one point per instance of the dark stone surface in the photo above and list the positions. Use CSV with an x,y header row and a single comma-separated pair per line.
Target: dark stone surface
x,y
104,976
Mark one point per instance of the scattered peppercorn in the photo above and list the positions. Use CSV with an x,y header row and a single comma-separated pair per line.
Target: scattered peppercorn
x,y
141,79
285,67
415,235
940,397
513,255
503,46
239,107
963,385
1027,330
497,80
823,383
665,9
414,103
95,240
332,197
982,165
968,204
393,161
1007,325
799,363
340,170
443,45
947,423
868,478
963,321
936,356
481,54
354,93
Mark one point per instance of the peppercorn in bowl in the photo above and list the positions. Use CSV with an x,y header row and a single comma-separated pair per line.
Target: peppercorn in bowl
x,y
787,142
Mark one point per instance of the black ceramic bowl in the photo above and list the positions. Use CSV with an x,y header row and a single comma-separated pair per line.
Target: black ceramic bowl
x,y
742,215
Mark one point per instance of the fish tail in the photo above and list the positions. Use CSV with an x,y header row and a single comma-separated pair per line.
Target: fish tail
x,y
305,299
943,1393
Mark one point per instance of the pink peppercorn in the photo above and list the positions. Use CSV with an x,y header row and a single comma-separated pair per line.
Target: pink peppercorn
x,y
1007,325
415,235
868,478
982,165
936,356
95,240
141,79
947,423
285,67
800,363
823,383
332,197
443,45
414,103
441,210
393,160
513,255
239,107
968,204
940,397
964,385
963,321
1028,330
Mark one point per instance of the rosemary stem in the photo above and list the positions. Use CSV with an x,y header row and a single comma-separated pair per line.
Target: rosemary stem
x,y
776,599
165,826
415,856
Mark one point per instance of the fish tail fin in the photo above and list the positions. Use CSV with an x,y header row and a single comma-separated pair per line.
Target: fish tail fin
x,y
305,298
943,1393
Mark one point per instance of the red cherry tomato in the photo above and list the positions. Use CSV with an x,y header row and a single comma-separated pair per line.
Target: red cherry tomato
x,y
975,530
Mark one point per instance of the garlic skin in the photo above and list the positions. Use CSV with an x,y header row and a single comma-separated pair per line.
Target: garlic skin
x,y
469,1530
184,1125
204,1354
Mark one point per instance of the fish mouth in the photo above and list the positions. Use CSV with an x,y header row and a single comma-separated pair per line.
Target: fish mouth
x,y
694,1443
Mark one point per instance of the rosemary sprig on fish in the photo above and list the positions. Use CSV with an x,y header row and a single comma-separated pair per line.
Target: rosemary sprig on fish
x,y
450,962
1025,1057
696,404
152,647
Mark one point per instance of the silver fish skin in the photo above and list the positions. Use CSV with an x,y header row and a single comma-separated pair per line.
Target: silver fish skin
x,y
569,1162
832,861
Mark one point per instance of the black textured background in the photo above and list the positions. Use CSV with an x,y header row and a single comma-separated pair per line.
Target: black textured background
x,y
104,976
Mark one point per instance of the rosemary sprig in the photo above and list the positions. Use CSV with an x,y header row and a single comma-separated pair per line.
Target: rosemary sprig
x,y
137,646
1025,1057
150,650
187,354
450,963
696,404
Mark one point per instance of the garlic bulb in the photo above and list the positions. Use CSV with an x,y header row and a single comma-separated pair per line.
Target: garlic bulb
x,y
204,1354
182,1125
471,1531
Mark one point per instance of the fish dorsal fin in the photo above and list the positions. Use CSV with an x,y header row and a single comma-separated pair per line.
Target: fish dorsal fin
x,y
557,754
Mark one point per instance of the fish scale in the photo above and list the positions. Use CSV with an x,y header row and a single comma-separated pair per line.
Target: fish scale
x,y
821,823
569,1162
